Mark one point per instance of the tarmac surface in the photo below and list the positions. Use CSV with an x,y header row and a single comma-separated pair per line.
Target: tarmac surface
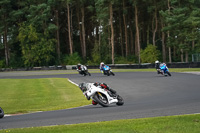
x,y
146,94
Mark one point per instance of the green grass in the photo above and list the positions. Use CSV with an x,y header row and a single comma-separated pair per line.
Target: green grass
x,y
169,124
30,95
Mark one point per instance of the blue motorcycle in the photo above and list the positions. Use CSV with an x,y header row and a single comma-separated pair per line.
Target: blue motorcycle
x,y
164,70
107,71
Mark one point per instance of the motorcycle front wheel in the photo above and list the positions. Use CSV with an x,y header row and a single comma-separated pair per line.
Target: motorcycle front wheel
x,y
169,73
101,99
89,74
120,100
112,73
1,113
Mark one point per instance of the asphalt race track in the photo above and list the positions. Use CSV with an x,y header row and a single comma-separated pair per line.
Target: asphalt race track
x,y
146,94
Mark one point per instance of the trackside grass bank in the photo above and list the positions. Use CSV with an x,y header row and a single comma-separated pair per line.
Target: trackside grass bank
x,y
30,95
169,124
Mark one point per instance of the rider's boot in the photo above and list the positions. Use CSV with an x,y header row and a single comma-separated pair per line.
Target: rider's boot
x,y
88,98
94,103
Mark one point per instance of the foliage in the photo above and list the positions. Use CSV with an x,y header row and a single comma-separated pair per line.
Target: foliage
x,y
37,50
150,54
16,61
72,59
47,22
96,58
2,62
125,60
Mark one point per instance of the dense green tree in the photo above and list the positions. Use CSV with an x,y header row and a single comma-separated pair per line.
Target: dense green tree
x,y
5,6
150,54
37,49
183,26
99,30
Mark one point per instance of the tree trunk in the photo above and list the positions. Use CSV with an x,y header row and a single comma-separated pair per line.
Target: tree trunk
x,y
83,32
163,45
182,55
69,29
125,31
168,34
112,32
170,57
137,33
132,41
174,52
186,56
57,36
193,44
5,42
136,46
156,26
80,31
148,35
99,39
121,38
71,26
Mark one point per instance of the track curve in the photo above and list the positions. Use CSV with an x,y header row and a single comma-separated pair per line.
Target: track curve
x,y
146,94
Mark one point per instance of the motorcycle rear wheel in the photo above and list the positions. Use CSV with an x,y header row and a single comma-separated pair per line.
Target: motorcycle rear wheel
x,y
108,73
101,99
120,100
89,74
1,113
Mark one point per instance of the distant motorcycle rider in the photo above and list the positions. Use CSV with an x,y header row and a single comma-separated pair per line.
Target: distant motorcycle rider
x,y
101,67
80,68
157,66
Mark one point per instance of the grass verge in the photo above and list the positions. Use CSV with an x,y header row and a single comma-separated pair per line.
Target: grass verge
x,y
30,95
169,124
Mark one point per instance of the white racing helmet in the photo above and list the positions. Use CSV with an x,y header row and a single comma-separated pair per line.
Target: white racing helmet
x,y
102,63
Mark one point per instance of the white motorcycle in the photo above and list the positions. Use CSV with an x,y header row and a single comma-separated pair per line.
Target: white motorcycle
x,y
100,95
83,70
1,113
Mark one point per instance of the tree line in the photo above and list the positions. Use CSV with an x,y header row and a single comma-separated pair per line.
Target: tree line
x,y
50,32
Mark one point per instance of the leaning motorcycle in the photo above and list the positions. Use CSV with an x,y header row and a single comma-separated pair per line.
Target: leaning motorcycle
x,y
1,113
100,95
84,71
107,71
164,70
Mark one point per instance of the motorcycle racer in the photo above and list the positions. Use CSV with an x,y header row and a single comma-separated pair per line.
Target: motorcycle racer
x,y
82,69
101,93
157,66
101,66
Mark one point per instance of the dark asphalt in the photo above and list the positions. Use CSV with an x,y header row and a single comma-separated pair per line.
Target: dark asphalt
x,y
146,94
